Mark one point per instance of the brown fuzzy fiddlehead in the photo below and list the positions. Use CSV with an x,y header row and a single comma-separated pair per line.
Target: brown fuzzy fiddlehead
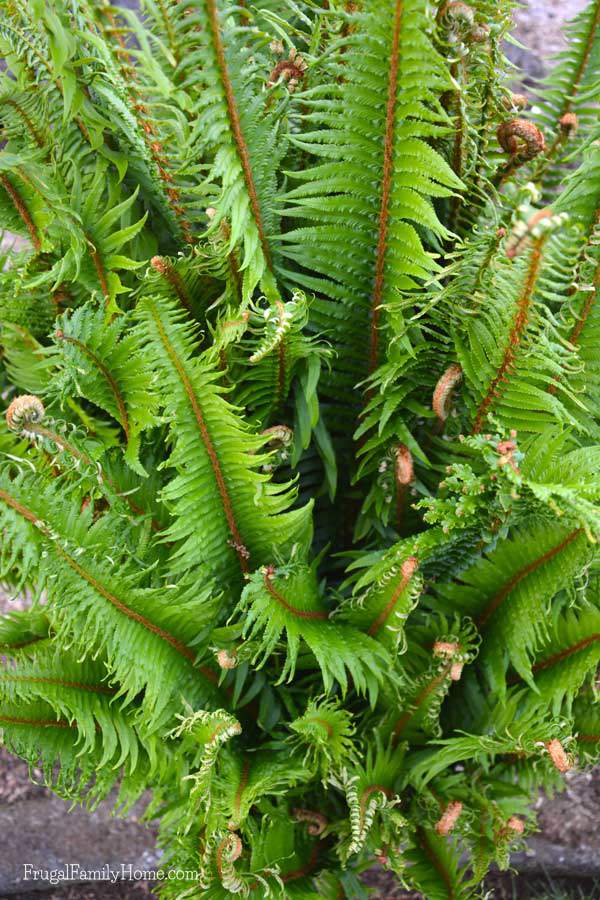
x,y
23,411
521,139
227,659
291,71
442,395
516,825
449,818
457,18
405,474
317,823
558,755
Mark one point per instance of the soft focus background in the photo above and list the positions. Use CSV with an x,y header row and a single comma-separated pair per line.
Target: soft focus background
x,y
560,863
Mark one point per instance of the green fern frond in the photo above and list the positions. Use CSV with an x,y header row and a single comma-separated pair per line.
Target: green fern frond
x,y
69,563
104,363
252,517
519,578
361,242
286,602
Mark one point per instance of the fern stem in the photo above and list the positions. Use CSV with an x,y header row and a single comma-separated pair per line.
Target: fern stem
x,y
423,841
522,573
580,323
7,648
485,118
560,656
37,723
22,210
99,267
583,316
583,62
303,871
238,544
170,274
170,32
300,613
280,360
431,685
515,336
128,72
123,417
245,774
100,589
569,99
123,608
236,126
388,165
407,573
26,120
92,688
458,150
63,444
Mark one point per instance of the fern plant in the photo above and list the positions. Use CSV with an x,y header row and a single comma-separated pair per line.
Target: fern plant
x,y
300,468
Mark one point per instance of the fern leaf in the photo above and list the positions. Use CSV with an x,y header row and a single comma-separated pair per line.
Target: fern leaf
x,y
287,602
520,578
216,458
104,363
361,236
131,625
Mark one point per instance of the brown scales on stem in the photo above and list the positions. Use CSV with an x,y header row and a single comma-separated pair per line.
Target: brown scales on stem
x,y
170,273
449,818
65,445
300,613
171,34
22,210
560,656
177,645
237,541
409,567
126,62
106,374
575,85
245,774
499,598
8,101
386,188
236,127
580,71
514,338
431,686
585,312
99,267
